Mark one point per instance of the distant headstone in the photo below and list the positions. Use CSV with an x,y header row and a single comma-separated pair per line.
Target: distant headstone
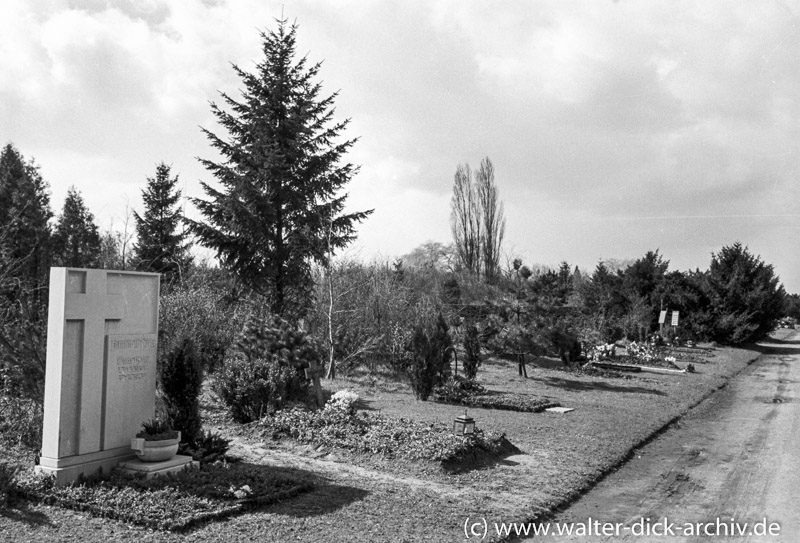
x,y
102,337
314,372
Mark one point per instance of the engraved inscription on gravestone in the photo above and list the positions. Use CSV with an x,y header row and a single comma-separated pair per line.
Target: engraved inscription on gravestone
x,y
130,375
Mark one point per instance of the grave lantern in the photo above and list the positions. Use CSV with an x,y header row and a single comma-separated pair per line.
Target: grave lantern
x,y
463,425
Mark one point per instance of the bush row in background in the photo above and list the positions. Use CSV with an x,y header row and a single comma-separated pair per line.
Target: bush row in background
x,y
367,314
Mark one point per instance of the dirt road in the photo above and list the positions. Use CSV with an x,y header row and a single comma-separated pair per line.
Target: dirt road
x,y
729,471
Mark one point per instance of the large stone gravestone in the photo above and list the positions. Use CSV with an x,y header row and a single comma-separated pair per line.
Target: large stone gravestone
x,y
100,382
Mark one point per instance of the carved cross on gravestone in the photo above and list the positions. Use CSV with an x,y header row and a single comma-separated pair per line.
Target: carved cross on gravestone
x,y
93,308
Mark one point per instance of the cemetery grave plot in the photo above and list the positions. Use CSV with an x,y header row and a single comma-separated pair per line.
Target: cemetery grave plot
x,y
175,502
477,396
391,438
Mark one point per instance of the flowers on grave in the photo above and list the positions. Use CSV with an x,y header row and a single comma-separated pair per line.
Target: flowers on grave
x,y
642,352
157,441
604,352
157,430
343,402
240,493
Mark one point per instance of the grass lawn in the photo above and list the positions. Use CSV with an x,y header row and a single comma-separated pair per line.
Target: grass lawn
x,y
365,497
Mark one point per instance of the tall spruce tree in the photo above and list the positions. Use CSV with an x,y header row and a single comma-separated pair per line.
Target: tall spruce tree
x,y
279,207
161,246
24,264
24,215
76,240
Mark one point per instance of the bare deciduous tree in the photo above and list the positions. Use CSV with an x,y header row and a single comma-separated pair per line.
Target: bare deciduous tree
x,y
465,220
477,219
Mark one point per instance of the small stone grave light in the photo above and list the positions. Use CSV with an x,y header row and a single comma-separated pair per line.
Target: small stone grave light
x,y
463,425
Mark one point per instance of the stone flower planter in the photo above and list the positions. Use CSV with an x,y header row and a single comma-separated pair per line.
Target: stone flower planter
x,y
155,451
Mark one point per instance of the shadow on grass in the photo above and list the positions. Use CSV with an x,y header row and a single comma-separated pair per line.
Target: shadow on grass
x,y
325,498
778,348
782,341
22,513
582,386
315,494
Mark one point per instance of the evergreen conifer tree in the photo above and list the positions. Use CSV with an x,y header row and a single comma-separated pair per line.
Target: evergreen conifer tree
x,y
76,240
279,207
746,295
24,215
24,265
161,246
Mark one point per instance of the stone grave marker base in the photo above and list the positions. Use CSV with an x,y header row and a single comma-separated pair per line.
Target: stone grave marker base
x,y
71,468
151,469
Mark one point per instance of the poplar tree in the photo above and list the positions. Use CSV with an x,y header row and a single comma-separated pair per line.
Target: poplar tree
x,y
278,207
477,219
161,245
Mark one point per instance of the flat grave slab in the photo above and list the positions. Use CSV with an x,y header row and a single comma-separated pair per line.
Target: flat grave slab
x,y
560,410
151,469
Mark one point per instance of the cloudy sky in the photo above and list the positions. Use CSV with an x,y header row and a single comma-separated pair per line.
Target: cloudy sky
x,y
615,127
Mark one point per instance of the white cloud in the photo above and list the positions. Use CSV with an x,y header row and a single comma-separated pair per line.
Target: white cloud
x,y
593,113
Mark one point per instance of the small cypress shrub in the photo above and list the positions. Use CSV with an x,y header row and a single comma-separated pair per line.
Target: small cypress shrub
x,y
472,352
9,490
430,365
181,377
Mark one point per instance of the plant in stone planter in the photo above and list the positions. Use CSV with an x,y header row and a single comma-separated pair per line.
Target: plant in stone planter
x,y
156,441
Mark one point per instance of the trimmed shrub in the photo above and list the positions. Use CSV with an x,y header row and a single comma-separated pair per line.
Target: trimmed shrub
x,y
181,379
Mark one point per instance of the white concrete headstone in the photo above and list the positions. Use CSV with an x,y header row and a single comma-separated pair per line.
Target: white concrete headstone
x,y
100,380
